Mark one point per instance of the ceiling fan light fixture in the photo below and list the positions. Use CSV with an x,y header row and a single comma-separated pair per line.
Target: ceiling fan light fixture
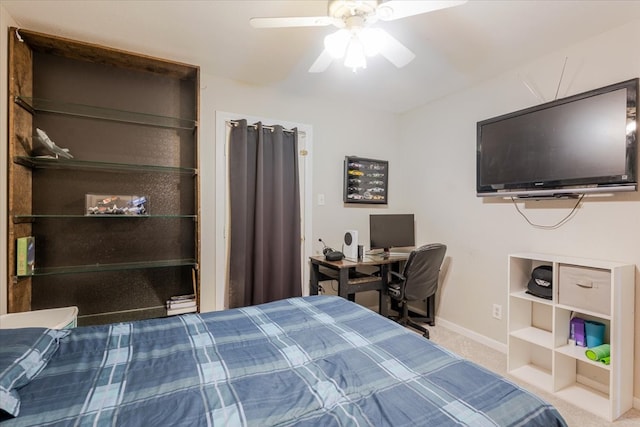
x,y
355,56
336,43
384,12
372,39
355,40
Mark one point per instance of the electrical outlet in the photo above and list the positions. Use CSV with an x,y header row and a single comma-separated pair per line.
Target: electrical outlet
x,y
497,311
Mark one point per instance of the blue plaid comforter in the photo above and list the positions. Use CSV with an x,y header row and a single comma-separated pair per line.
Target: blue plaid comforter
x,y
314,361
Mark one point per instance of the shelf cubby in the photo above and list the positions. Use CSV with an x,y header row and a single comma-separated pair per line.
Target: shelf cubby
x,y
531,362
586,398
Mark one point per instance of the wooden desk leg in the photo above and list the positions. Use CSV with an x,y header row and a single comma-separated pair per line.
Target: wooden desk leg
x,y
313,279
343,285
383,296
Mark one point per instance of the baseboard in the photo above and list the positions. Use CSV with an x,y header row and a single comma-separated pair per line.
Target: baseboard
x,y
496,345
636,403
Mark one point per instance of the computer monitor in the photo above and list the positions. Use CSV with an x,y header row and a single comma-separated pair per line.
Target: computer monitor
x,y
388,231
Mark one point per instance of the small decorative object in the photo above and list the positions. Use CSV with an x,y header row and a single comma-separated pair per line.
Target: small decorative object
x,y
104,204
365,180
45,147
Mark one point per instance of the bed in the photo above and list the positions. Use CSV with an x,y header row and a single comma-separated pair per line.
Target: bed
x,y
310,361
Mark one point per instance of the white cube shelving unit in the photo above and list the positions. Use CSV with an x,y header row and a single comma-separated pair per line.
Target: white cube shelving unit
x,y
538,331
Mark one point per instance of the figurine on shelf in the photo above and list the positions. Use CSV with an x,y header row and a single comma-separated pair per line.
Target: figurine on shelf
x,y
46,147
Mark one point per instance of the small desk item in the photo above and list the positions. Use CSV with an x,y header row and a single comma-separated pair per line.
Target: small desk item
x,y
350,281
53,318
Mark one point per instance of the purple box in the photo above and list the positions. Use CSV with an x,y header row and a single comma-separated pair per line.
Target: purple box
x,y
576,331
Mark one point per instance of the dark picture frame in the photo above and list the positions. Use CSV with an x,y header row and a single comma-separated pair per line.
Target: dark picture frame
x,y
365,180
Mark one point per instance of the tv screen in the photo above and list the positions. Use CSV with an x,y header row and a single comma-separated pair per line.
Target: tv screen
x,y
391,231
580,144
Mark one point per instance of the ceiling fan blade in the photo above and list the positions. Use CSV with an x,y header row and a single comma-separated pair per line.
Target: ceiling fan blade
x,y
283,22
322,63
397,53
396,9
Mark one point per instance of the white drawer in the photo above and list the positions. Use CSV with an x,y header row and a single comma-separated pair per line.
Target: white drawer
x,y
585,288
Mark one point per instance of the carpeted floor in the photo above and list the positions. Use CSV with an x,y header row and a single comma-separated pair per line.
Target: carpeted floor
x,y
497,362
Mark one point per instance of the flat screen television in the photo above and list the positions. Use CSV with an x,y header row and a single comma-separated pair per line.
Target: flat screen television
x,y
388,231
581,144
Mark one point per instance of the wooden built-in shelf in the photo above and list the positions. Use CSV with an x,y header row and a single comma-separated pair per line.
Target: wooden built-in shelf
x,y
131,123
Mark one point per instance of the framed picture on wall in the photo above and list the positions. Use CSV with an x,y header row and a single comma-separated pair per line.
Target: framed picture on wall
x,y
365,180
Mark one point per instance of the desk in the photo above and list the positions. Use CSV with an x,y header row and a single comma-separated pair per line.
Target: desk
x,y
350,281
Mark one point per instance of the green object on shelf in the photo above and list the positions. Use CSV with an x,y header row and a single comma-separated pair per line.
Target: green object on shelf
x,y
606,360
599,353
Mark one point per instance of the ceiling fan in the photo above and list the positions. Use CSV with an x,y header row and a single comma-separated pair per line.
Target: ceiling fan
x,y
356,38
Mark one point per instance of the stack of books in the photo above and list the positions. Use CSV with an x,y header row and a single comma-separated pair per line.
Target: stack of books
x,y
181,304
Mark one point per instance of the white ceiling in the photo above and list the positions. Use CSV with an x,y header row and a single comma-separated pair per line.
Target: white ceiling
x,y
455,47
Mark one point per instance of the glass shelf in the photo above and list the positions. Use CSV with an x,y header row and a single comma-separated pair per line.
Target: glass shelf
x,y
18,219
34,105
51,163
95,268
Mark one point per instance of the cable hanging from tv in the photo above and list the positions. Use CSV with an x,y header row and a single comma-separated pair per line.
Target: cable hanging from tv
x,y
555,226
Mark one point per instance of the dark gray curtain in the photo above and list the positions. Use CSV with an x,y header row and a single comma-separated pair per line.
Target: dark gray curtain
x,y
264,258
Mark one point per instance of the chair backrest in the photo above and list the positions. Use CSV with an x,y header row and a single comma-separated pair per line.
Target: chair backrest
x,y
421,271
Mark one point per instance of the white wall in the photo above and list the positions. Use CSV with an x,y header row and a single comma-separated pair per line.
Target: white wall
x,y
441,138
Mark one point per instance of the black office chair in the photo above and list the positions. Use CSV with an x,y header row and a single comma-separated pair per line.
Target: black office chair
x,y
418,281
